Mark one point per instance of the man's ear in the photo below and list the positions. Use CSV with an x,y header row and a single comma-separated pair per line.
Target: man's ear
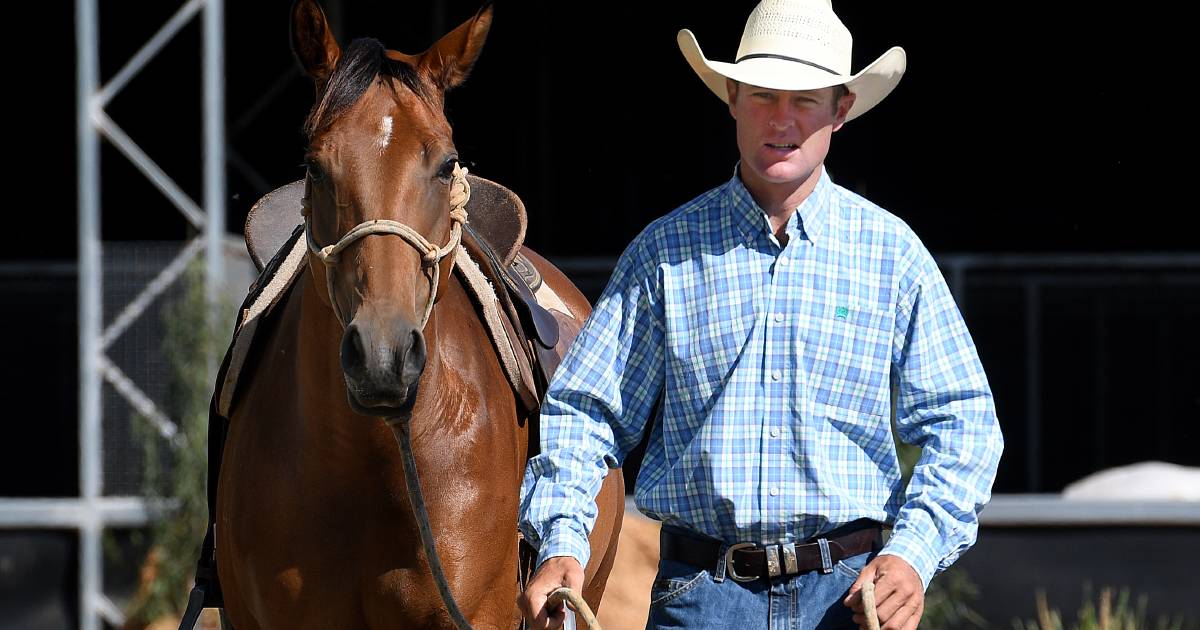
x,y
731,90
843,109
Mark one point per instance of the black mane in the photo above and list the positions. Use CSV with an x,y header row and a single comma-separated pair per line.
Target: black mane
x,y
361,62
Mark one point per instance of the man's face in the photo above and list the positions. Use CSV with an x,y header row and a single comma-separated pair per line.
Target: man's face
x,y
783,135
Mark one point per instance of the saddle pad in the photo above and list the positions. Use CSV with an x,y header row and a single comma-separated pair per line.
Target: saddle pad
x,y
494,211
274,282
289,263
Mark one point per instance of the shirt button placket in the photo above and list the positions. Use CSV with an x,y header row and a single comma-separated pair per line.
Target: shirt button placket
x,y
776,341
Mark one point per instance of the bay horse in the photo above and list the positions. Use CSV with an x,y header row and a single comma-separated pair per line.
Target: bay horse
x,y
314,528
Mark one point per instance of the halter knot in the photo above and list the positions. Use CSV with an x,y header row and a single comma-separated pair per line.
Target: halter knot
x,y
431,254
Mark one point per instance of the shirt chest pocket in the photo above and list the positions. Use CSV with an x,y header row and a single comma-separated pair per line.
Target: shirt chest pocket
x,y
707,349
847,357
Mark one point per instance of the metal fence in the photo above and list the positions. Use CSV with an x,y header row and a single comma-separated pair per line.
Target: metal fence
x,y
94,510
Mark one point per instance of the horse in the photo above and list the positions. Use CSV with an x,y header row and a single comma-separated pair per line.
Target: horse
x,y
314,528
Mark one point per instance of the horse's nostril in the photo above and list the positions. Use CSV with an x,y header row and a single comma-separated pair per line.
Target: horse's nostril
x,y
352,350
412,359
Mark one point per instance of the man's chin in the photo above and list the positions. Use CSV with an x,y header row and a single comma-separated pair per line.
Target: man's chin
x,y
781,173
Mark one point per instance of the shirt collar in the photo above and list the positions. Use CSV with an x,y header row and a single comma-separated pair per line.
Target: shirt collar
x,y
809,219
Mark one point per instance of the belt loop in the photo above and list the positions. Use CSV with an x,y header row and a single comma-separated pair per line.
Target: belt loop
x,y
719,573
826,560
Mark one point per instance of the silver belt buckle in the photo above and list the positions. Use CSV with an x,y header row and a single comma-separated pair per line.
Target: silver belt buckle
x,y
772,560
730,571
790,564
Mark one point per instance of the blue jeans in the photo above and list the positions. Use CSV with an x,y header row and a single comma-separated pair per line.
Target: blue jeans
x,y
684,596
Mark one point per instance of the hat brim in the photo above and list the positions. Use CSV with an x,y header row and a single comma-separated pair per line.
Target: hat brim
x,y
869,86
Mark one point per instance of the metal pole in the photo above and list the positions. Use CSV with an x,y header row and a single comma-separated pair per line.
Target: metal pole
x,y
214,145
1033,386
958,285
90,314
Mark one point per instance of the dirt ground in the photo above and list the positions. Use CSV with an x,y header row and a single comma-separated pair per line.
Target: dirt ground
x,y
627,597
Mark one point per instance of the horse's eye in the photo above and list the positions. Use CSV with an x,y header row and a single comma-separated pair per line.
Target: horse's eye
x,y
447,170
314,170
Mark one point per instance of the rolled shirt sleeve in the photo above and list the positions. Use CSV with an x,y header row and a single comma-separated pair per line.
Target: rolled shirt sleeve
x,y
596,409
945,406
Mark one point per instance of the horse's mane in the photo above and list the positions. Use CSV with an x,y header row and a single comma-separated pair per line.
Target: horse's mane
x,y
360,63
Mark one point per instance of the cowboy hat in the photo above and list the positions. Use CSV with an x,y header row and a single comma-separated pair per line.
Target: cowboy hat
x,y
797,45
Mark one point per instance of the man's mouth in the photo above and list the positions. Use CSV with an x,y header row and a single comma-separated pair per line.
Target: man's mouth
x,y
783,147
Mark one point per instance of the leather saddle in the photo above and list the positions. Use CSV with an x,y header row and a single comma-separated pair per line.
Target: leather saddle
x,y
496,214
493,236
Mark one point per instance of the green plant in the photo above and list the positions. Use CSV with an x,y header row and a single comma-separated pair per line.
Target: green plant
x,y
1102,614
949,600
175,475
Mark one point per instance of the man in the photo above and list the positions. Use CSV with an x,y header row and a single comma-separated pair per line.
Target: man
x,y
769,322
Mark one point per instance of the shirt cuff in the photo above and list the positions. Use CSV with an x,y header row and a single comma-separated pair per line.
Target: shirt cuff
x,y
907,546
564,539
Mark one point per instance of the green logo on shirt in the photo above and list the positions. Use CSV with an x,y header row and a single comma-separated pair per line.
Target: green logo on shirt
x,y
841,313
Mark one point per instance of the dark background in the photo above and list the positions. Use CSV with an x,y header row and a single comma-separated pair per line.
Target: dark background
x,y
1052,129
1016,129
1037,128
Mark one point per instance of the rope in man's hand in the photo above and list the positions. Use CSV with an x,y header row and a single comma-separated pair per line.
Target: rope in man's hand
x,y
868,598
575,601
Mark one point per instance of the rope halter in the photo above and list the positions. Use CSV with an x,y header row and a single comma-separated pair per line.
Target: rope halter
x,y
431,255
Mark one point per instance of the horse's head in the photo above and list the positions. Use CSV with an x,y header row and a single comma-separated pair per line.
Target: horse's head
x,y
382,174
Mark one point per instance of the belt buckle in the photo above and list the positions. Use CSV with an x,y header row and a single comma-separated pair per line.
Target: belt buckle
x,y
730,571
772,560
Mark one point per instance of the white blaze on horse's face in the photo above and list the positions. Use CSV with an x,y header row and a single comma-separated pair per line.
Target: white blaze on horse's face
x,y
385,134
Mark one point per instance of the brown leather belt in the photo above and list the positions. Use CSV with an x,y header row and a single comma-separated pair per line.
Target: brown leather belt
x,y
745,562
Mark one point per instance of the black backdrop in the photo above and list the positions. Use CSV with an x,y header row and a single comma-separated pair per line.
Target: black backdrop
x,y
1026,128
1031,128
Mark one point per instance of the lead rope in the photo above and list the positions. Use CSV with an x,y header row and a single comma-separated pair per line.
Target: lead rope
x,y
417,499
460,194
868,597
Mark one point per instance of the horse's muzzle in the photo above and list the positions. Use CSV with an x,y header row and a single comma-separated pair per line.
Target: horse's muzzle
x,y
382,365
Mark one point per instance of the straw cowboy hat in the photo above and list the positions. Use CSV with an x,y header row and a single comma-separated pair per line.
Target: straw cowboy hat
x,y
797,45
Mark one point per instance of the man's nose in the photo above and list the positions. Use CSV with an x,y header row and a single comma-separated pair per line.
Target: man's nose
x,y
781,117
781,122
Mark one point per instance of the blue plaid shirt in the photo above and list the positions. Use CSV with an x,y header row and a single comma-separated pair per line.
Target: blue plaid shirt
x,y
777,367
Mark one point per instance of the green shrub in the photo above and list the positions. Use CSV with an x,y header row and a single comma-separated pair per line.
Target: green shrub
x,y
1102,614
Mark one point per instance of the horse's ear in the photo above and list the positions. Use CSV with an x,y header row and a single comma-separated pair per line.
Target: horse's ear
x,y
312,40
449,61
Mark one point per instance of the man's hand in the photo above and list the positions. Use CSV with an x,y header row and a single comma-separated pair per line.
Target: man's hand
x,y
555,572
899,596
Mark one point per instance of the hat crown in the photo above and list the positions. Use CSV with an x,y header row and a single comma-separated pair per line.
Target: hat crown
x,y
807,30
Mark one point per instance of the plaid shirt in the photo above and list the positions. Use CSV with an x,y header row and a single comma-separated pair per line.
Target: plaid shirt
x,y
776,368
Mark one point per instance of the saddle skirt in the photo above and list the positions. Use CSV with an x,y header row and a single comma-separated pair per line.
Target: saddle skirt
x,y
513,303
496,214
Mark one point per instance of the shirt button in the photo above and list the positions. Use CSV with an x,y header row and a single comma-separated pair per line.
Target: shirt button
x,y
775,432
774,492
776,375
778,317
